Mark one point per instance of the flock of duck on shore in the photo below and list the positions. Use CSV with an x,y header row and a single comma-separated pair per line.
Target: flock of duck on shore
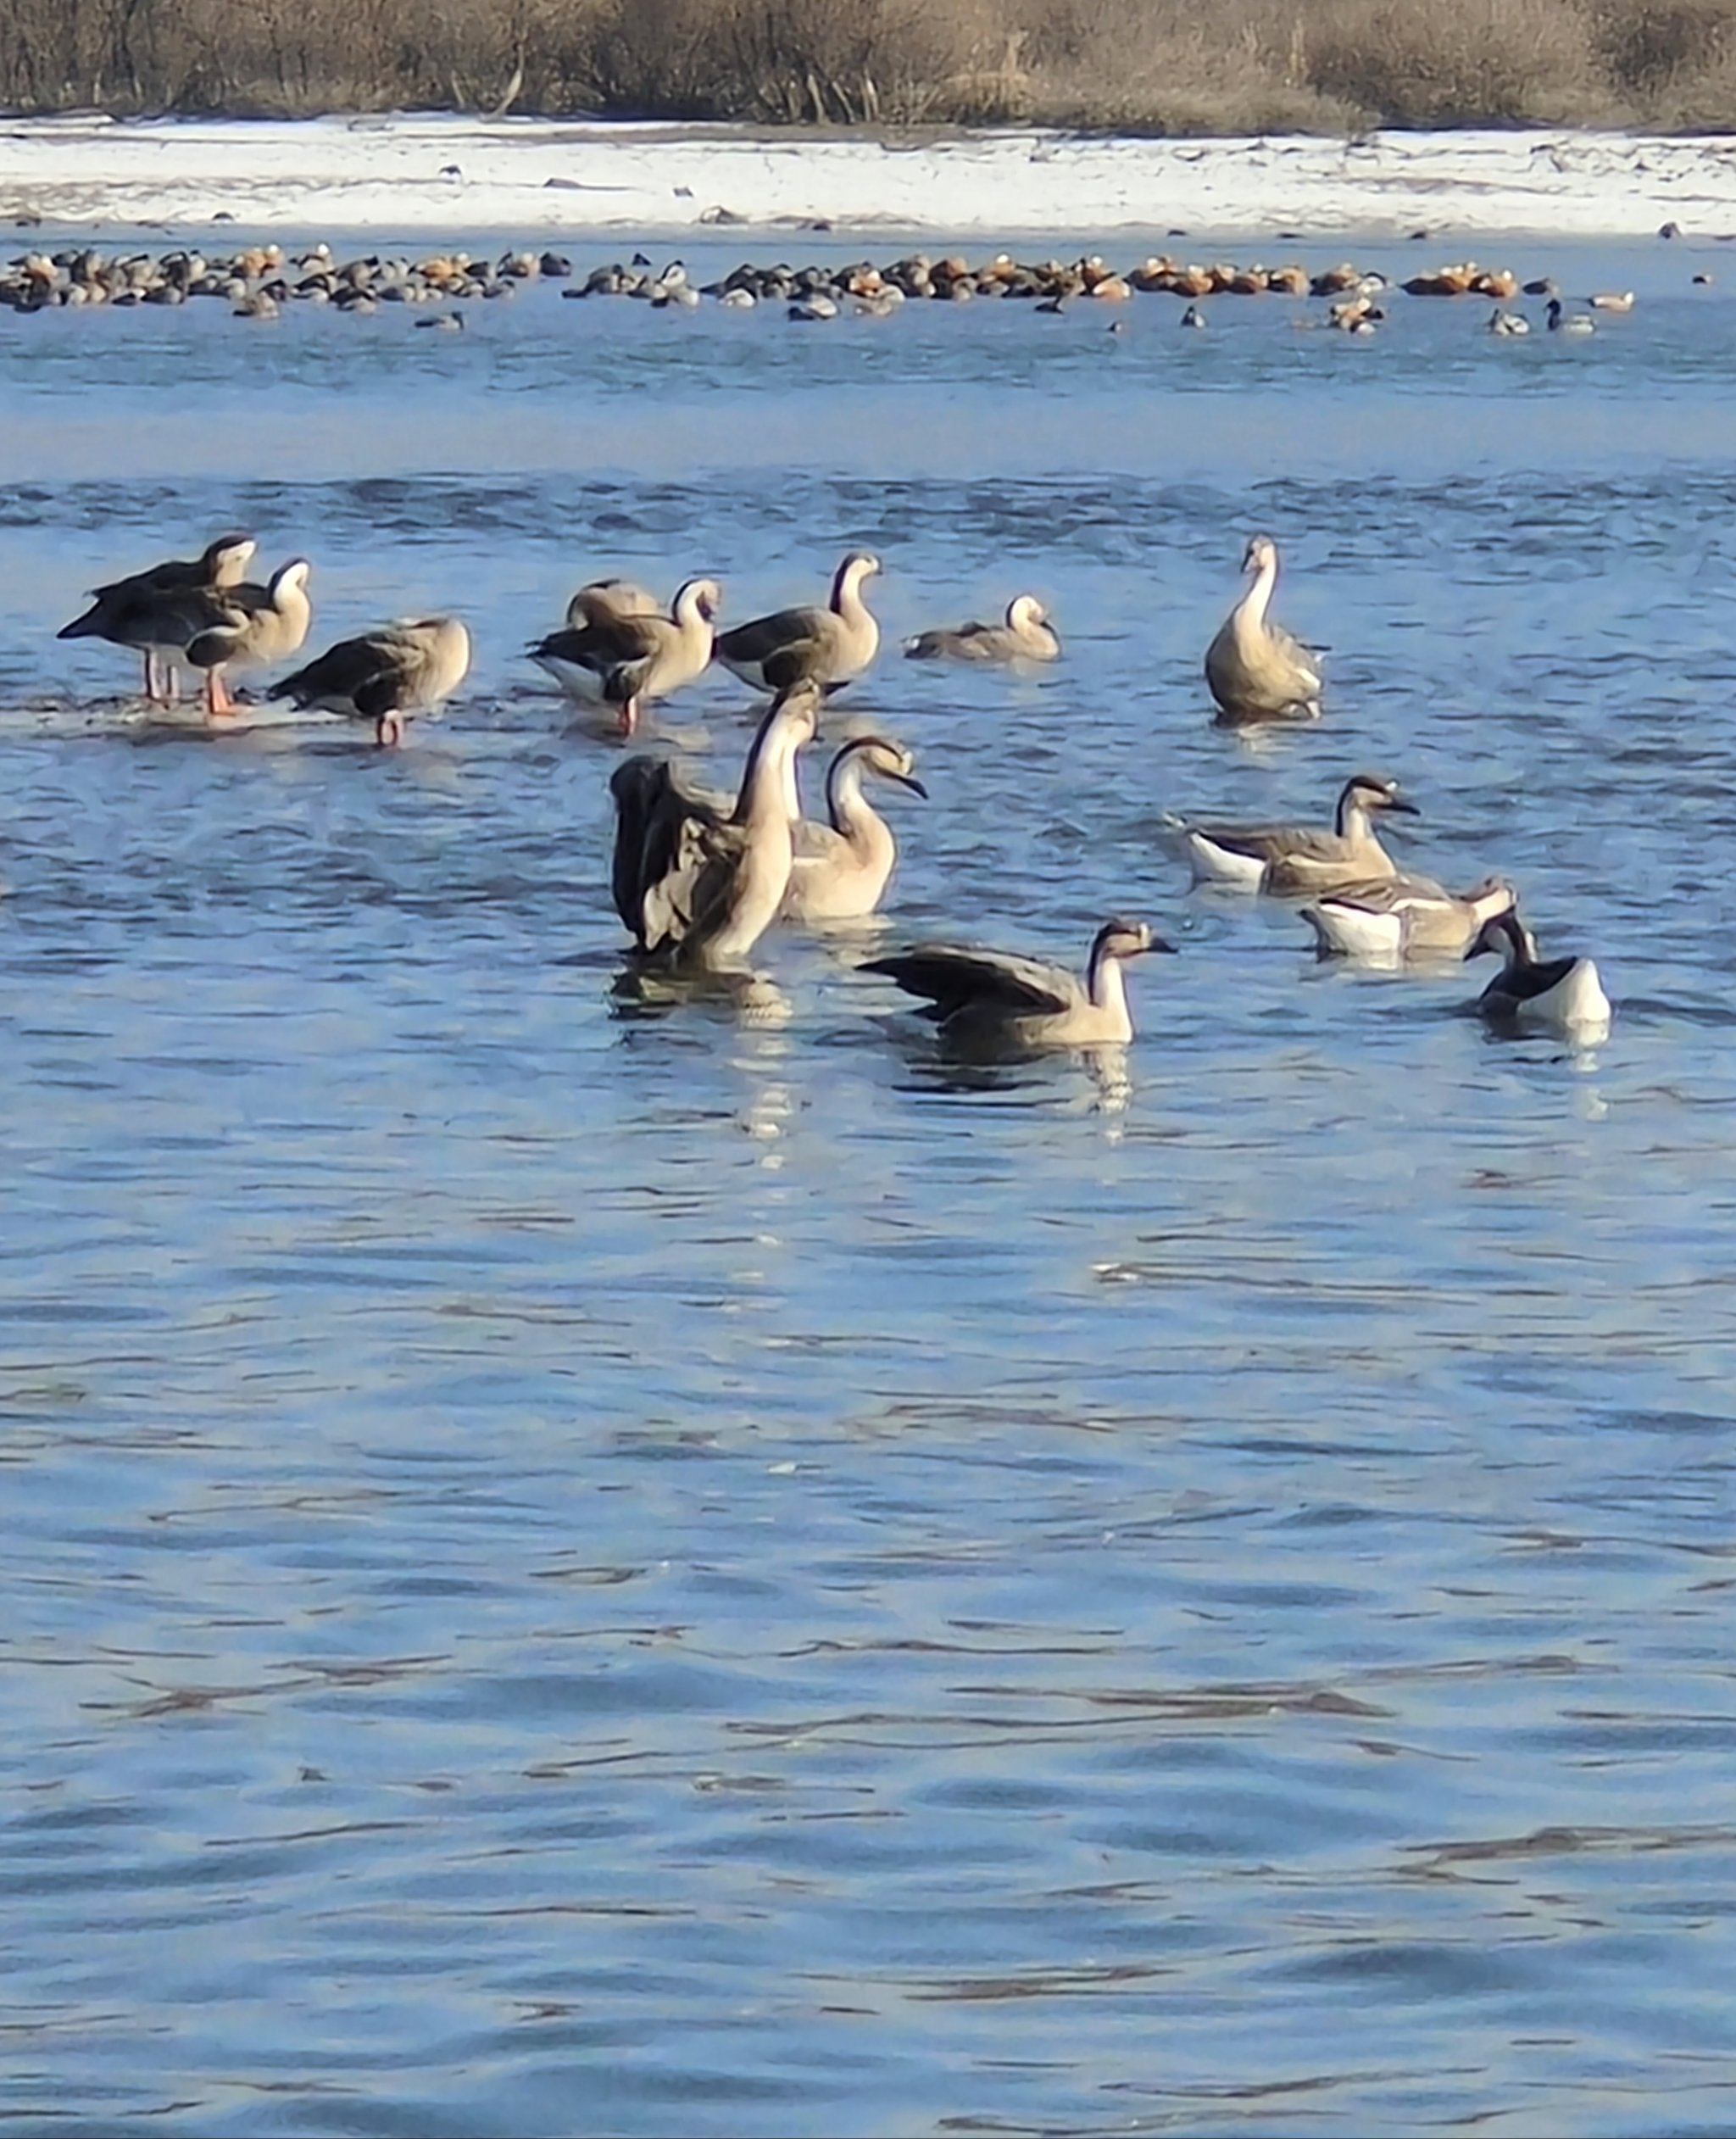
x,y
259,281
698,878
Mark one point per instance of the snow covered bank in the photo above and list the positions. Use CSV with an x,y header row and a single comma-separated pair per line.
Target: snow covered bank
x,y
439,175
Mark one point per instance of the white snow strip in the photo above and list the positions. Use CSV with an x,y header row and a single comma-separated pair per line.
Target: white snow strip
x,y
409,174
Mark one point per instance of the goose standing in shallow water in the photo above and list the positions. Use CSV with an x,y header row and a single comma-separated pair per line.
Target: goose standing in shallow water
x,y
695,887
1256,670
1026,635
130,611
242,627
386,675
1560,995
1403,916
841,869
628,659
1289,858
997,998
824,646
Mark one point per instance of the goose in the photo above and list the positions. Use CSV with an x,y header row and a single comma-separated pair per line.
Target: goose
x,y
384,675
698,883
1403,916
842,868
1612,301
246,625
1562,322
601,600
1564,994
1193,317
825,646
1026,635
1256,670
999,999
127,612
1288,858
626,659
1500,322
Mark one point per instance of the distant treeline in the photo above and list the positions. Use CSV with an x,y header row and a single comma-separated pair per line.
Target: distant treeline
x,y
1167,66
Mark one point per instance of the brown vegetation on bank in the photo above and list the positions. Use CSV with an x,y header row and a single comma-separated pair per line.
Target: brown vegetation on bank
x,y
1170,66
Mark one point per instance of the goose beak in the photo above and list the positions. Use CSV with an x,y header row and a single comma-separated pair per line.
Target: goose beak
x,y
1405,809
1163,944
909,780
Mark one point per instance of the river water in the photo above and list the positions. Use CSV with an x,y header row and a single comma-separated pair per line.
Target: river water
x,y
577,1571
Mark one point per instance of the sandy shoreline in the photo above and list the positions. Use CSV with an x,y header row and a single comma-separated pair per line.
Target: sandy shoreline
x,y
406,174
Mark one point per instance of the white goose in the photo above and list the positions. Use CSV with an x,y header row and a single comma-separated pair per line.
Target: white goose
x,y
1557,994
1256,670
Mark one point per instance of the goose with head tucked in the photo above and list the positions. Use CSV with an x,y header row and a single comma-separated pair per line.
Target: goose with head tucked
x,y
697,883
130,612
1000,998
827,647
242,627
1026,635
385,675
842,868
1292,858
1256,671
1554,994
1403,916
606,600
627,660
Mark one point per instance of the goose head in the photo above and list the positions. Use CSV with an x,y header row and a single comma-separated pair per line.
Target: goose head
x,y
1024,613
290,579
1120,938
891,760
1370,792
700,597
1506,933
857,565
225,559
797,708
1261,553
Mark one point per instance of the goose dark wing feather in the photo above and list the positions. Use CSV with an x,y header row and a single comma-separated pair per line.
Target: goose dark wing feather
x,y
952,978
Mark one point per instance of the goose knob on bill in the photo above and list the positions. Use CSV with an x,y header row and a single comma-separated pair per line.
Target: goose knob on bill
x,y
627,660
1291,858
384,676
1552,995
842,868
130,612
1026,635
697,882
996,999
827,647
1255,670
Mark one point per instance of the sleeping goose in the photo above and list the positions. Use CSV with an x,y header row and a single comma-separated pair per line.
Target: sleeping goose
x,y
1026,636
386,675
1288,858
605,599
697,886
242,627
824,646
1403,916
842,868
1561,994
127,612
1256,670
997,998
627,660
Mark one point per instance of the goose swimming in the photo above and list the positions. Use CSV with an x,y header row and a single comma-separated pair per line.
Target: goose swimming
x,y
246,625
842,868
128,612
1562,322
1026,635
697,885
1256,670
824,646
1562,995
386,675
997,997
1288,858
1403,916
626,659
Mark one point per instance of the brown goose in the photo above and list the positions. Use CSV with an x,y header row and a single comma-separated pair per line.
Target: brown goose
x,y
625,660
1256,670
1026,635
999,999
842,868
1299,857
242,627
602,600
127,612
386,675
824,646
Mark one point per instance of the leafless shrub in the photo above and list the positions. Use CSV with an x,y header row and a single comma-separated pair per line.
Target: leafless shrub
x,y
1460,62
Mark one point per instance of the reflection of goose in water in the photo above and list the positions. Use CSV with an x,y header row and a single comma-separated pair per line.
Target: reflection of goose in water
x,y
1402,917
627,658
386,675
842,868
824,646
1562,995
1026,635
999,999
1256,671
698,888
129,612
1299,857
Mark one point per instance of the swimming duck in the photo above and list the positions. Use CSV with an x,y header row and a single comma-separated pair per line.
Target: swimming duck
x,y
627,660
386,675
1403,916
825,646
1026,635
1289,858
1562,995
128,612
999,999
1256,670
842,868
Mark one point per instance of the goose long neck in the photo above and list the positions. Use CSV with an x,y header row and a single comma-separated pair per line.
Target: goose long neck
x,y
1353,826
854,817
846,592
1106,984
768,789
1250,614
690,620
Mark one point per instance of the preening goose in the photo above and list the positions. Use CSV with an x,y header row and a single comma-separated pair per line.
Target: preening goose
x,y
129,612
1288,858
1026,635
824,646
997,998
1256,670
1560,995
246,625
698,888
628,659
1403,916
604,599
384,676
841,869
